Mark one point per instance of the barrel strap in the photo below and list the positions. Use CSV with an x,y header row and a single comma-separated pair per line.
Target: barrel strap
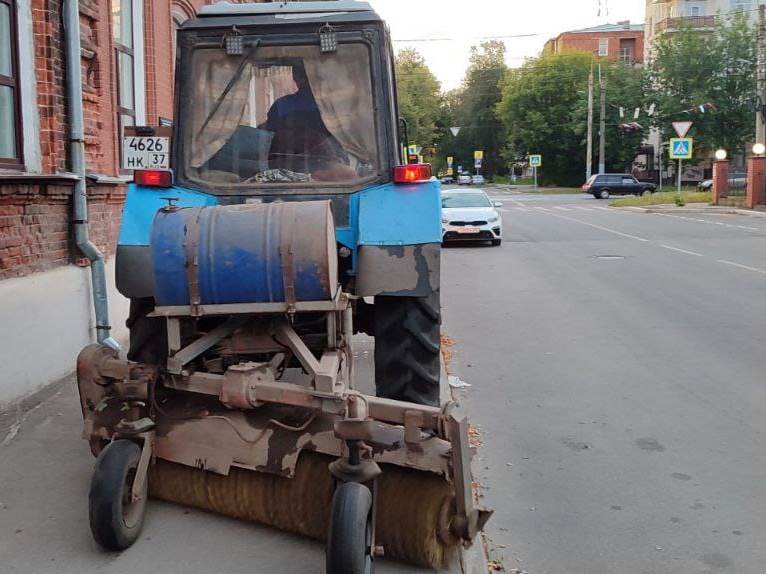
x,y
288,224
192,260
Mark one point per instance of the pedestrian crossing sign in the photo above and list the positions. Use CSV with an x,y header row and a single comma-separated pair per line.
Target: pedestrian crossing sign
x,y
681,148
536,160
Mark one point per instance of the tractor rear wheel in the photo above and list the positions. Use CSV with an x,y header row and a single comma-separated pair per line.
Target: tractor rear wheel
x,y
407,348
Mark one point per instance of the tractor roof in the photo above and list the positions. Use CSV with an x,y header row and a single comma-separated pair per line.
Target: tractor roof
x,y
227,14
317,7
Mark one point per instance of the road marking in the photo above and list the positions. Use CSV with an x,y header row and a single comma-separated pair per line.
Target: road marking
x,y
561,208
747,267
602,208
543,209
748,228
525,209
681,250
517,202
620,233
581,208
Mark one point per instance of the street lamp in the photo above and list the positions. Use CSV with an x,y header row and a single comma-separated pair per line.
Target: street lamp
x,y
759,149
720,154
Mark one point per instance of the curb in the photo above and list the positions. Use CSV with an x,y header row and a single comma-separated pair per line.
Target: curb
x,y
660,209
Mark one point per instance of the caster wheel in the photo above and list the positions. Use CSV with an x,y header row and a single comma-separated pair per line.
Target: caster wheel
x,y
350,539
116,519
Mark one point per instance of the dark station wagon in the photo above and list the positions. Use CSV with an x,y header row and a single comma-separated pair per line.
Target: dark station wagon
x,y
604,185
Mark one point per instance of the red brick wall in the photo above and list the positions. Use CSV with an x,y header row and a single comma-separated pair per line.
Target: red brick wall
x,y
35,225
588,42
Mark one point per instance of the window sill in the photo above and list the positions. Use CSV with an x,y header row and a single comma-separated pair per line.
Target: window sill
x,y
10,176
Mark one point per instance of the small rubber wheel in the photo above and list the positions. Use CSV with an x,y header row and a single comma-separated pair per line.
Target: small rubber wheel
x,y
646,193
116,519
496,242
349,540
604,194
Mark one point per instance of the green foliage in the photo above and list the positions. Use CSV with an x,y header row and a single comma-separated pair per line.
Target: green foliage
x,y
472,107
539,109
689,68
420,100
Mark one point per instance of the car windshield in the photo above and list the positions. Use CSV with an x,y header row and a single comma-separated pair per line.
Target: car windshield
x,y
280,115
465,200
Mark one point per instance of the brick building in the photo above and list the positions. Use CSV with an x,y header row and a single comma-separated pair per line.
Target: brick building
x,y
622,41
127,58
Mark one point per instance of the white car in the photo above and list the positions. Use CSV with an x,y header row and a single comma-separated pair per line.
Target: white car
x,y
477,179
464,179
470,216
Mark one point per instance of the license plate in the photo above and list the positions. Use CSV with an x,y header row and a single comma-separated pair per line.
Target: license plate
x,y
145,152
468,230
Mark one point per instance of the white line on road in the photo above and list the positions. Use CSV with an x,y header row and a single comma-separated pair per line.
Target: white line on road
x,y
682,250
748,228
603,208
561,208
543,209
620,233
735,264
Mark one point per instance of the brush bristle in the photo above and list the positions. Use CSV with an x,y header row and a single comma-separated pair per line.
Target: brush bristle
x,y
410,503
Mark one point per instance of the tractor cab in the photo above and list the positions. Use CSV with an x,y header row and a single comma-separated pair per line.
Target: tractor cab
x,y
278,98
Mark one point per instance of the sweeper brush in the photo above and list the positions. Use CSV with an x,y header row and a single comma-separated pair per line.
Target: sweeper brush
x,y
250,409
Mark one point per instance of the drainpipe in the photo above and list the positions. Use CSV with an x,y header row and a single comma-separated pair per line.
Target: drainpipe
x,y
77,158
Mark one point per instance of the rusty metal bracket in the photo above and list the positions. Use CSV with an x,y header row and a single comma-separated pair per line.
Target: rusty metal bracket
x,y
140,481
192,351
192,260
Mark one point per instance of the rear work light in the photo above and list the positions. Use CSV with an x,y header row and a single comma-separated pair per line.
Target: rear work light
x,y
153,177
413,173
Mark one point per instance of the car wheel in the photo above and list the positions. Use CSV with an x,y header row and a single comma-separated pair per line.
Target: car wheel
x,y
646,192
603,194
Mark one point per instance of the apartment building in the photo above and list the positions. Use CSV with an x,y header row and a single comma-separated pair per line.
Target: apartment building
x,y
622,41
669,15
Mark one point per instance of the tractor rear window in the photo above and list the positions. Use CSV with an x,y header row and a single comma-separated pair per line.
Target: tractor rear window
x,y
280,115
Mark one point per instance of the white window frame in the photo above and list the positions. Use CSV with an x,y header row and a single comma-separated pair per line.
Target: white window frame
x,y
603,47
139,70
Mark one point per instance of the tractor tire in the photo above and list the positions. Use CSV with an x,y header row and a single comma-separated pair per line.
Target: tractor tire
x,y
349,540
115,519
407,348
148,335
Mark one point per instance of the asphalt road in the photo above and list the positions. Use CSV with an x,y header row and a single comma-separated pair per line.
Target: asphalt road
x,y
617,372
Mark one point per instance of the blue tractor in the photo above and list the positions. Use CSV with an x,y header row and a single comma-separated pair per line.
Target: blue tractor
x,y
276,219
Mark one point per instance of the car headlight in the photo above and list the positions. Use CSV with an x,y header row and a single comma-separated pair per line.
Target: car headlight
x,y
445,220
493,218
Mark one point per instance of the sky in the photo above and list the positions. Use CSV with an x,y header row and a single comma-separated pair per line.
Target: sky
x,y
414,22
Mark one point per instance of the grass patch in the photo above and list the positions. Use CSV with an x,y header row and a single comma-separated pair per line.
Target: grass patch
x,y
664,198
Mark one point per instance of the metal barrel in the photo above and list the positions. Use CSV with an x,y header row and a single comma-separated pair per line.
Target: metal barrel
x,y
250,253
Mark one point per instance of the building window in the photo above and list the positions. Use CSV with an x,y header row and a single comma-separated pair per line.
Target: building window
x,y
737,5
695,11
603,47
122,32
10,116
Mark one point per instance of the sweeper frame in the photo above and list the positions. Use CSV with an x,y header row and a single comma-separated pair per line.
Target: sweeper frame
x,y
138,417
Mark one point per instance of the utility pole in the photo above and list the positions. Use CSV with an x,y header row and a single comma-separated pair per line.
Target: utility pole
x,y
589,152
602,125
760,126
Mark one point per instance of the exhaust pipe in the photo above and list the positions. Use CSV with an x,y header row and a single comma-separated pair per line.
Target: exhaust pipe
x,y
77,161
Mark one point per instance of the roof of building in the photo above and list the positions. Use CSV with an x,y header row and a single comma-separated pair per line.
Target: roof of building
x,y
619,27
265,8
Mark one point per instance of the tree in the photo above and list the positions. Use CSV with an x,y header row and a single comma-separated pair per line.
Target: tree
x,y
541,109
689,69
420,100
472,107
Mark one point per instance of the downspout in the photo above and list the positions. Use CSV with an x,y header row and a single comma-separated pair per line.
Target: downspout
x,y
77,159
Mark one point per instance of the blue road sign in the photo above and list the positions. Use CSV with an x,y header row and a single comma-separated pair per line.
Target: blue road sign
x,y
681,148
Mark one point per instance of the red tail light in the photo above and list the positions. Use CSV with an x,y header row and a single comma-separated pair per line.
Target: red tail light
x,y
413,173
153,177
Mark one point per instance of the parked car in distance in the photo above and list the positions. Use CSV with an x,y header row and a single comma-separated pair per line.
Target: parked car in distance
x,y
447,179
470,216
477,179
736,181
604,185
464,179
